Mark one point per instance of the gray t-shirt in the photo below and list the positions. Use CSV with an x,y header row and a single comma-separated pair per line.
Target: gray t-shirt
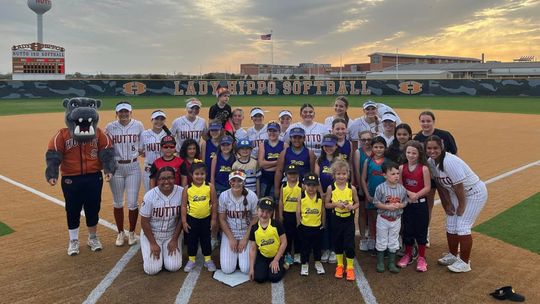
x,y
386,194
238,215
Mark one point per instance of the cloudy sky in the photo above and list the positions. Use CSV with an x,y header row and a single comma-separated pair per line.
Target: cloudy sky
x,y
167,36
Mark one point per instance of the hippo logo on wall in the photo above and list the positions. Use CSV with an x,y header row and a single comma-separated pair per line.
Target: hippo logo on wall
x,y
134,88
410,87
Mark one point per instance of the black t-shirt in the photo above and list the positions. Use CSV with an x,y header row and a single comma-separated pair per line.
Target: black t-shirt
x,y
394,154
447,138
221,114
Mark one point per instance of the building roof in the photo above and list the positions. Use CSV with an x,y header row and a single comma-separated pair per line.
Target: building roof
x,y
423,56
467,67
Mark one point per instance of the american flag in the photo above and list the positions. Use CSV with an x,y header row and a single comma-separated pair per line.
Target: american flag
x,y
266,37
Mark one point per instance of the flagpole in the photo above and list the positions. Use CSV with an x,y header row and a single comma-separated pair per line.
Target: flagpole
x,y
272,52
397,64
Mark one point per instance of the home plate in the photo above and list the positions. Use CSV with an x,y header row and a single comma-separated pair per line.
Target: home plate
x,y
234,279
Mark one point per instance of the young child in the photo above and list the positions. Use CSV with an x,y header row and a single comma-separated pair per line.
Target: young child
x,y
222,111
268,158
343,199
199,216
329,153
390,198
362,153
344,146
247,164
168,148
415,177
189,152
396,150
310,217
372,176
257,134
269,242
209,145
222,165
290,193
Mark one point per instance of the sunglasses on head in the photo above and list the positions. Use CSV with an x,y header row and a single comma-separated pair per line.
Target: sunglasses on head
x,y
168,146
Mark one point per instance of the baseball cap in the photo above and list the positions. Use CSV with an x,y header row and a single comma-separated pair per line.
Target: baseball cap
x,y
297,132
221,90
167,139
329,140
266,203
507,293
389,116
256,111
285,112
368,104
291,169
123,106
244,143
193,103
273,126
157,114
311,179
215,126
226,140
238,174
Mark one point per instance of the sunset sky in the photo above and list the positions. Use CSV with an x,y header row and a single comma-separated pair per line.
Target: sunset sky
x,y
167,36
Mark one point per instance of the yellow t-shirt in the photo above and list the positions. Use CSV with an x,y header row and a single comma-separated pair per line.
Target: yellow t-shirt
x,y
290,196
267,239
342,196
198,205
311,210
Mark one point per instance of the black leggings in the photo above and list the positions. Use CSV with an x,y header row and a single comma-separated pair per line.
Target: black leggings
x,y
199,232
311,239
343,234
415,223
262,271
82,191
289,223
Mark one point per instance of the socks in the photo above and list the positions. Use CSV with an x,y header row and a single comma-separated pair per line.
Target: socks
x,y
92,235
350,263
207,258
119,218
192,258
422,250
73,234
339,258
133,214
408,250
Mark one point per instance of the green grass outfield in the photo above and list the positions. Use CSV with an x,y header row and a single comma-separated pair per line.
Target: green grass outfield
x,y
518,225
526,105
4,229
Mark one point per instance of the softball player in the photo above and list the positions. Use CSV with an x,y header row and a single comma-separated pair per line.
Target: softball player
x,y
341,105
161,225
268,158
257,134
210,145
190,125
237,118
151,143
285,118
463,195
125,133
314,131
369,121
237,213
221,165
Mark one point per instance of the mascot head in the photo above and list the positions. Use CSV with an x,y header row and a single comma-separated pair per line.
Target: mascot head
x,y
82,117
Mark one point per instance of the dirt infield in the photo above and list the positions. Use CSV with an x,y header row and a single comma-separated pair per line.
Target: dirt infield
x,y
35,267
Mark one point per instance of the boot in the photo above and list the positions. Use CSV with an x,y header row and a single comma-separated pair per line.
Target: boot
x,y
392,263
380,261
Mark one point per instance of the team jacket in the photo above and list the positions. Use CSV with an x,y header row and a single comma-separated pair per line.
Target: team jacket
x,y
79,157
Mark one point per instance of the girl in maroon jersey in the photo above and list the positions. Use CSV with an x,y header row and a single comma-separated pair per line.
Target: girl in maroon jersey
x,y
168,148
415,177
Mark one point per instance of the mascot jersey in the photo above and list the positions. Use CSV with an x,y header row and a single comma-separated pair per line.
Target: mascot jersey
x,y
79,157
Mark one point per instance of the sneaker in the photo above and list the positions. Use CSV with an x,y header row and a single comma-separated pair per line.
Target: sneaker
x,y
319,267
189,266
210,265
297,258
350,274
421,264
132,238
289,259
120,238
404,261
363,245
332,259
73,248
460,266
325,255
305,270
94,244
447,260
339,272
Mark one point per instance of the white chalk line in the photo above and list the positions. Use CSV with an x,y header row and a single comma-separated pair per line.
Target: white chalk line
x,y
363,284
278,293
190,281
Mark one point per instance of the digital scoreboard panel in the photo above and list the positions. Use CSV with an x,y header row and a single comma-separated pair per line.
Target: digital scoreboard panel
x,y
38,61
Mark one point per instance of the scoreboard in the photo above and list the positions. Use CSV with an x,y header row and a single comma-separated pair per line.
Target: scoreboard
x,y
37,61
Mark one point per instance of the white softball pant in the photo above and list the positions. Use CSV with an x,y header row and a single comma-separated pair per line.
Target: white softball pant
x,y
229,259
476,198
151,265
387,234
127,178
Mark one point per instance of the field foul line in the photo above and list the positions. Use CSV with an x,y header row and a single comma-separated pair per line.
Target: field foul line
x,y
278,293
189,283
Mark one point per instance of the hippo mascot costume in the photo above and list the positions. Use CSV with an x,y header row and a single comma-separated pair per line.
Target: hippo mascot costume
x,y
81,150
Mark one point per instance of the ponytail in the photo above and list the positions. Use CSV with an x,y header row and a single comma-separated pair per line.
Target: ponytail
x,y
166,129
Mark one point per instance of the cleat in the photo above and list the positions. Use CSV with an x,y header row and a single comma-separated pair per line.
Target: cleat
x,y
120,238
319,267
339,272
447,260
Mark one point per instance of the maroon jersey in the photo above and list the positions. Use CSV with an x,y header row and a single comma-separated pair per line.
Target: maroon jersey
x,y
175,163
413,181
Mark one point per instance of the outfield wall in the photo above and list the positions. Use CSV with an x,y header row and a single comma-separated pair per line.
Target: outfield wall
x,y
104,88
